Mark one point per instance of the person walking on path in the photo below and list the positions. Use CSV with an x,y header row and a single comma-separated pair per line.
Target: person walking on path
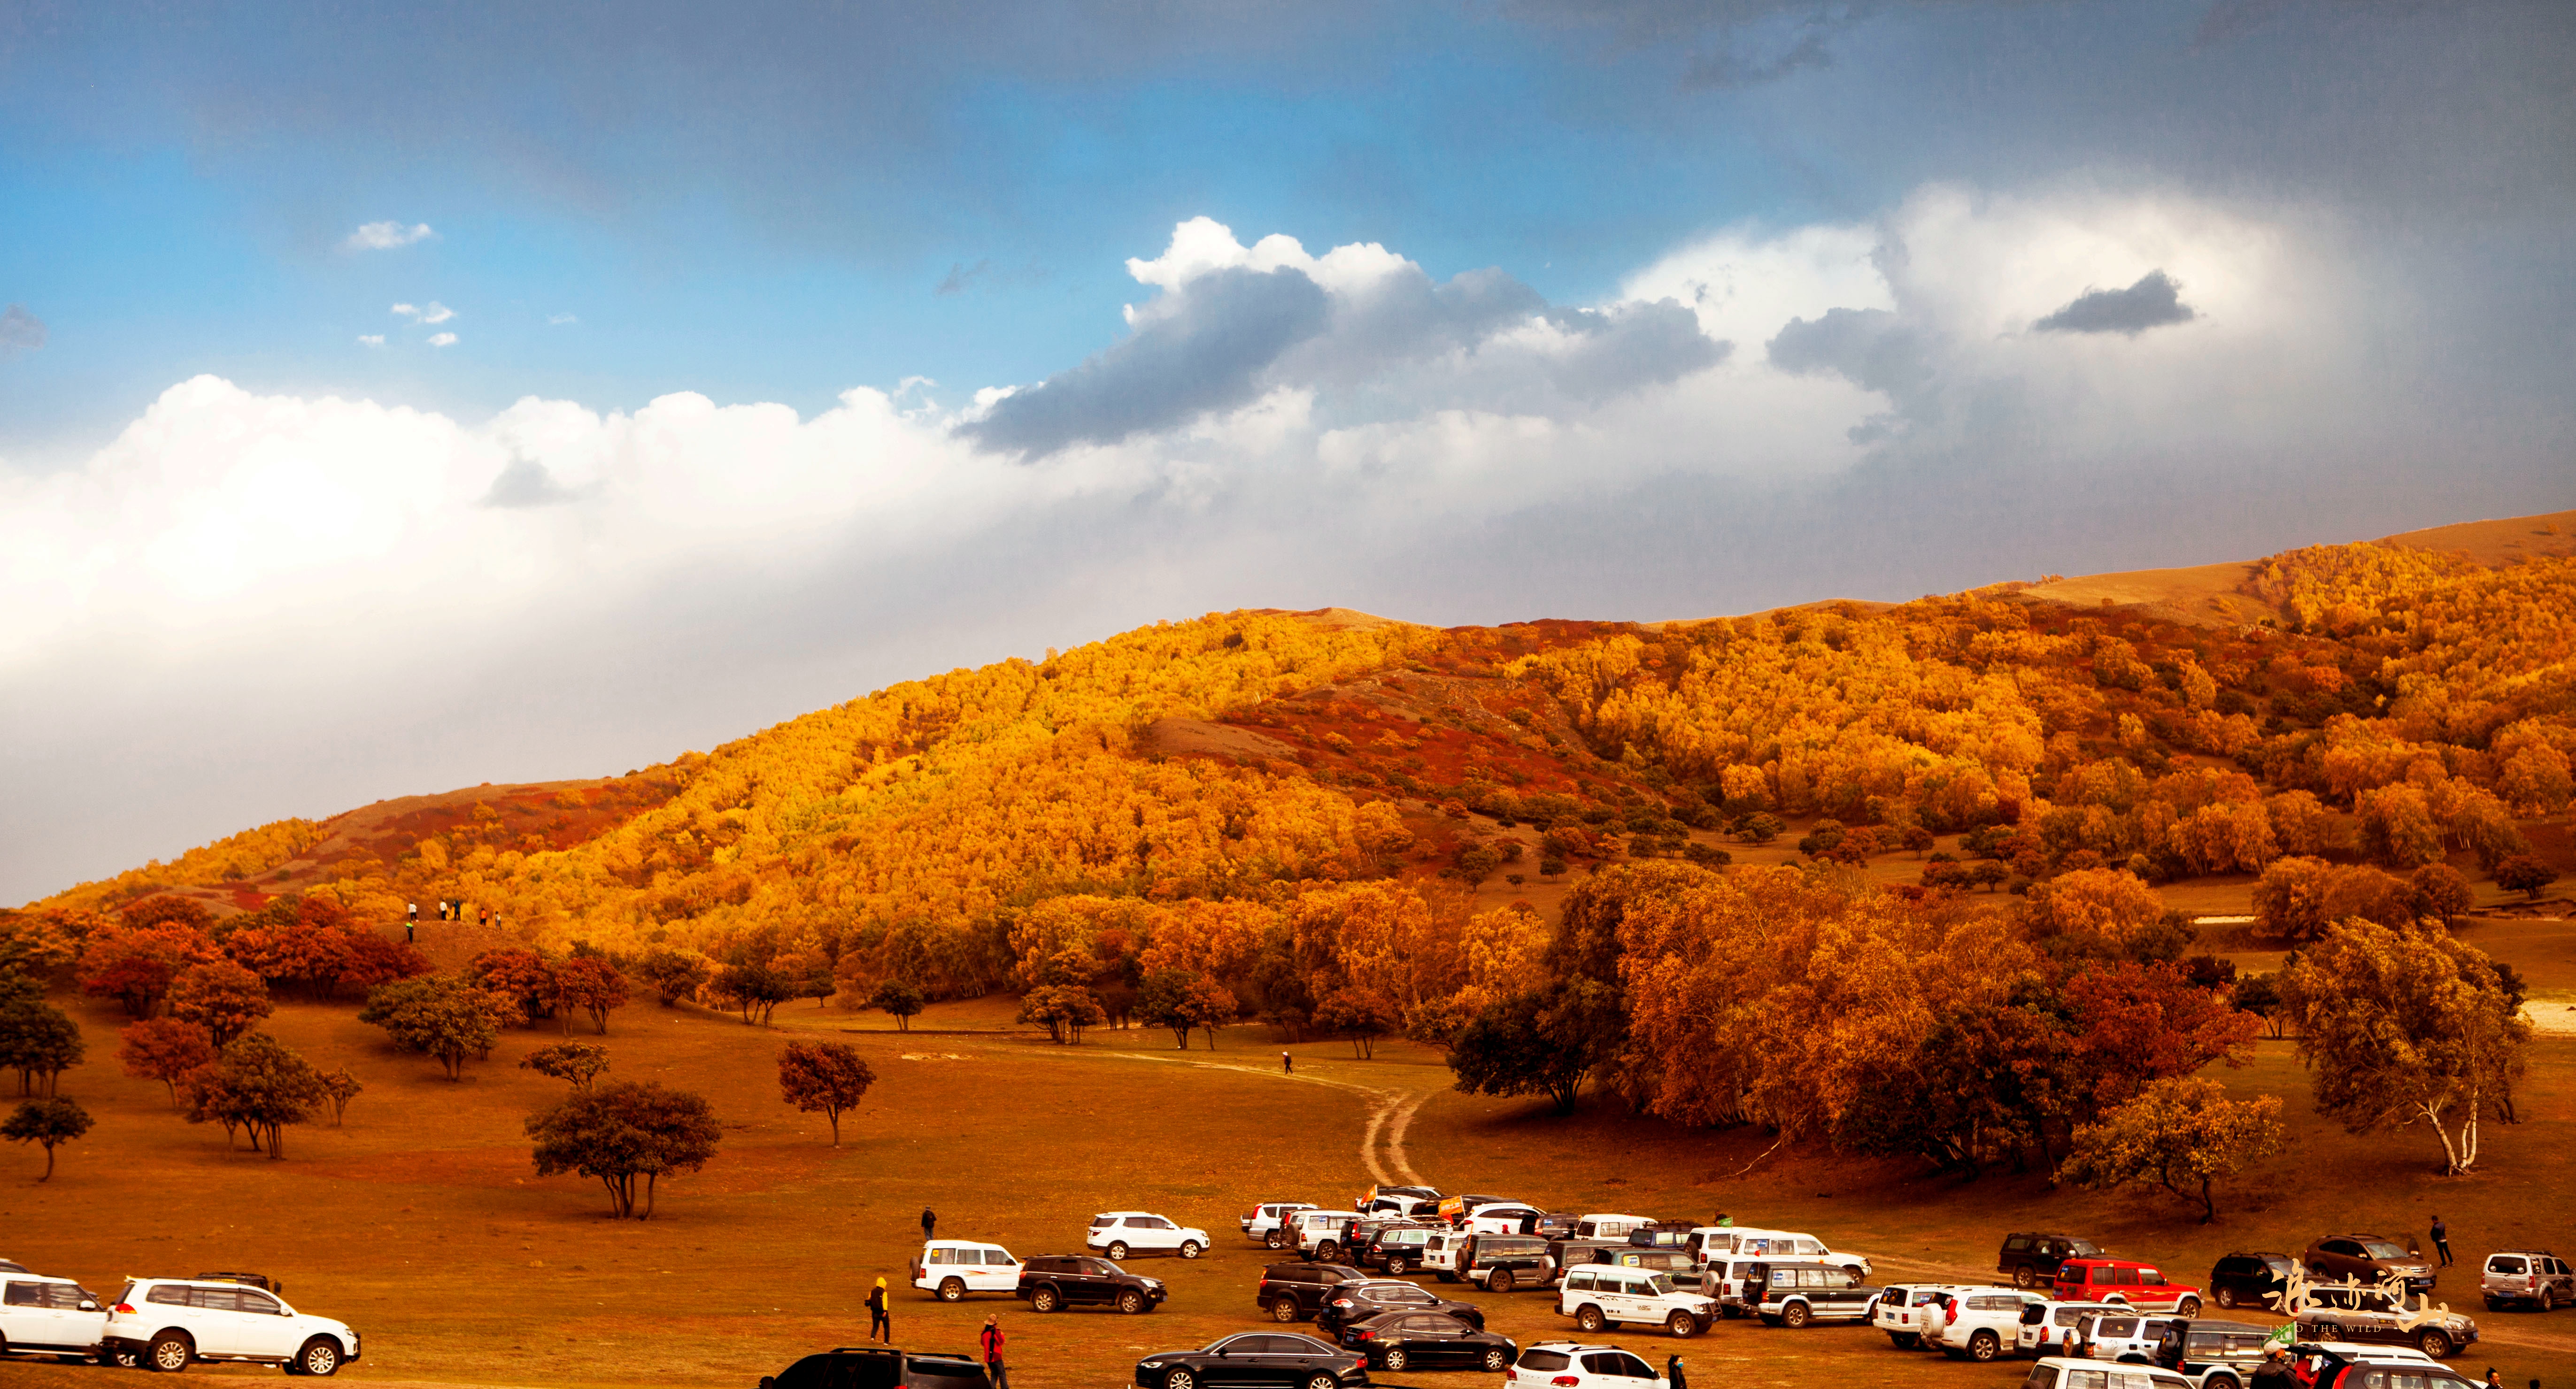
x,y
2442,1240
411,925
929,1222
880,1318
990,1342
1287,1063
1673,1372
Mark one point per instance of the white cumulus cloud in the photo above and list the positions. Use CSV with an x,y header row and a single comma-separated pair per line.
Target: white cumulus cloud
x,y
432,312
386,236
372,339
442,339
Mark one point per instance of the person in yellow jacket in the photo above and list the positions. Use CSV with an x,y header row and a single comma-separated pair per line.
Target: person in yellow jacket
x,y
880,1316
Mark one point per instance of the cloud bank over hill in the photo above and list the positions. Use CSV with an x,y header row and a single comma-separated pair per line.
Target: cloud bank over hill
x,y
360,596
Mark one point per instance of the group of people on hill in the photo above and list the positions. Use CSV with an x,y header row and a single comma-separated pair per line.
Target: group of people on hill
x,y
988,1343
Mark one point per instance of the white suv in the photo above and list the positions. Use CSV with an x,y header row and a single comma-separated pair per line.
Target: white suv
x,y
1570,1365
953,1268
1318,1234
49,1316
1910,1312
1121,1233
1597,1295
2055,1328
1268,1222
170,1322
2057,1372
1983,1323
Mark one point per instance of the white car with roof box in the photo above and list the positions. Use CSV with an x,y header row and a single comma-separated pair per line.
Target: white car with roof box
x,y
1601,1295
1121,1233
49,1316
1982,1323
171,1323
952,1268
1268,1222
2055,1328
1574,1365
1500,1218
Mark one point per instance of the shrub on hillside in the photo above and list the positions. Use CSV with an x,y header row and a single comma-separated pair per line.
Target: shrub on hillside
x,y
628,1136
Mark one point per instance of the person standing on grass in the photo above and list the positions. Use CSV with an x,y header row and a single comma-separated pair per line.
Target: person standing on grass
x,y
990,1342
929,1222
880,1317
2442,1240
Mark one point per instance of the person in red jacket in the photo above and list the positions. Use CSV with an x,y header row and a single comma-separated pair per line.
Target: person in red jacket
x,y
990,1342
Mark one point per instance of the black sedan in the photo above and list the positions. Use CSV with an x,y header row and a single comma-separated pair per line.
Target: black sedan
x,y
1428,1341
1268,1358
2250,1280
1353,1302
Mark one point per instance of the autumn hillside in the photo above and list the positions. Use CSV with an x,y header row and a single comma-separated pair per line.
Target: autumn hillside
x,y
1305,804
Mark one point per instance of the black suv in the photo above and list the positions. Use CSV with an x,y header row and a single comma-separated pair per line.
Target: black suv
x,y
1052,1281
1366,1298
2251,1280
2032,1259
1281,1358
1394,1246
879,1367
1293,1292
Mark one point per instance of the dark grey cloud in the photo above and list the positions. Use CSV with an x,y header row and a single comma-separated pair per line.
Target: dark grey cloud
x,y
524,484
20,331
1198,350
1628,347
2153,302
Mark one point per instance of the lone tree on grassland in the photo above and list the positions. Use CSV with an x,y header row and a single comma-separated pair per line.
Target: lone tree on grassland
x,y
592,985
2526,874
899,1000
50,1122
2180,1134
1184,1001
441,1015
39,1042
257,1085
578,1062
1066,1009
827,1076
165,1049
1360,1015
628,1136
338,1088
1545,1042
2404,1026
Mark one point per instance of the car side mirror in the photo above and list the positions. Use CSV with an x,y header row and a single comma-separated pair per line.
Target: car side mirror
x,y
89,1306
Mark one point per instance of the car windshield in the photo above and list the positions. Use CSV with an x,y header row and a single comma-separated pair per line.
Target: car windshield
x,y
2083,1248
2382,1249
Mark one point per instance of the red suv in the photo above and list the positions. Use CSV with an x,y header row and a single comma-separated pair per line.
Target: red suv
x,y
2123,1280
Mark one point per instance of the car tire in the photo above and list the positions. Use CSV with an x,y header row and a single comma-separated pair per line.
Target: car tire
x,y
1589,1319
1189,1249
1273,1241
1905,1340
1117,1251
169,1353
1394,1267
2548,1299
1495,1361
2494,1306
1682,1324
1328,1252
1180,1379
1395,1360
2220,1381
320,1357
1283,1309
1045,1300
2187,1308
1500,1281
2435,1343
1984,1346
1130,1301
1322,1382
952,1290
122,1359
2227,1297
1794,1316
2024,1276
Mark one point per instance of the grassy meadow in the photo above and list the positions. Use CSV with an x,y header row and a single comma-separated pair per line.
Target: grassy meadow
x,y
423,1224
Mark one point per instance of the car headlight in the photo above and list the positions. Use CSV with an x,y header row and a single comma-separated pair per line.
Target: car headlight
x,y
1151,1365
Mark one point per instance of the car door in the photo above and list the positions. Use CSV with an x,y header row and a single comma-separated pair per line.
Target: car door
x,y
24,1318
1623,1370
997,1272
1435,1339
267,1325
1281,1360
215,1320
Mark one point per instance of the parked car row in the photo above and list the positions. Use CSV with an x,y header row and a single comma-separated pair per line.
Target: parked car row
x,y
168,1324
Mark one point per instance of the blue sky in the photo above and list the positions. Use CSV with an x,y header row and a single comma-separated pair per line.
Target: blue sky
x,y
1617,308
